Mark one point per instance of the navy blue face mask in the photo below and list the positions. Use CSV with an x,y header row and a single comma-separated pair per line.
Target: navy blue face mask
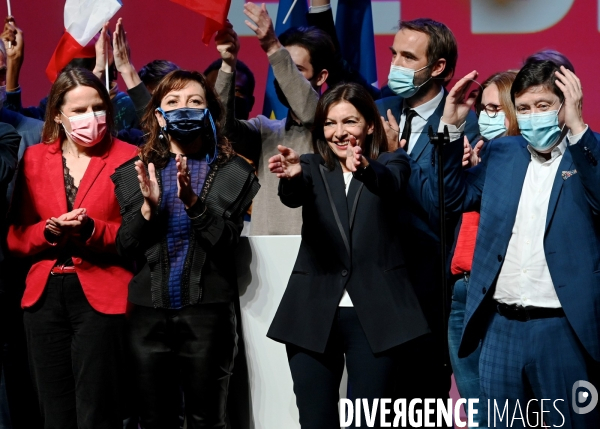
x,y
187,124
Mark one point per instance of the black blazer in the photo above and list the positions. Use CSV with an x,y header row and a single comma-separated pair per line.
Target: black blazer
x,y
349,242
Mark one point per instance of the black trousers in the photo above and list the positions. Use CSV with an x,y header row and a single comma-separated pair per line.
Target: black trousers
x,y
76,358
193,349
14,361
317,376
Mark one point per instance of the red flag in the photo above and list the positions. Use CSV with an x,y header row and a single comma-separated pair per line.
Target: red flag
x,y
215,12
67,49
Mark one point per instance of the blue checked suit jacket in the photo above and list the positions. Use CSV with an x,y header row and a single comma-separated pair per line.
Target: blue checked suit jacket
x,y
572,237
419,217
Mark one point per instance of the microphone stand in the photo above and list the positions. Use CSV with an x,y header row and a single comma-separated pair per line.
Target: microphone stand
x,y
439,140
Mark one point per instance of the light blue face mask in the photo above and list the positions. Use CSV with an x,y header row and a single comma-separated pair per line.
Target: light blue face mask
x,y
401,81
541,130
490,128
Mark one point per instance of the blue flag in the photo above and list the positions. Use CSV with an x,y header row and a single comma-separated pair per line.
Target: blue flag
x,y
273,108
354,27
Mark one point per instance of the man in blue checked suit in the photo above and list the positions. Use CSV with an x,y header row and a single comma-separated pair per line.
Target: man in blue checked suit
x,y
534,294
424,55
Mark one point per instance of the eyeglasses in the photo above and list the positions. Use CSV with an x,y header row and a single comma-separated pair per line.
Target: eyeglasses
x,y
491,109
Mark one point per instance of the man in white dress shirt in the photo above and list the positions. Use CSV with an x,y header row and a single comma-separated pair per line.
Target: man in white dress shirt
x,y
534,292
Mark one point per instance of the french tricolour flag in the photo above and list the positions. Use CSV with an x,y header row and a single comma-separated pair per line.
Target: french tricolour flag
x,y
83,20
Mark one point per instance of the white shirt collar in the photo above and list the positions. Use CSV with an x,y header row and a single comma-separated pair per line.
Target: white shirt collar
x,y
425,110
556,152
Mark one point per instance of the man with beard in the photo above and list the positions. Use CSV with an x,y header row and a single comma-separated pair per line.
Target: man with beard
x,y
300,60
424,54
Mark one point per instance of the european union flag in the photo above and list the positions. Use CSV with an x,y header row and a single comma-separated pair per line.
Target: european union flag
x,y
272,108
354,27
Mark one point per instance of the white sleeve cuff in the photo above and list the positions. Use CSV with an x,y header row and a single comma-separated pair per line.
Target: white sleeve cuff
x,y
574,139
318,9
454,131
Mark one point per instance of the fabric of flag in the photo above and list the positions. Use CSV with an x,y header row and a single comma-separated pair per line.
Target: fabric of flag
x,y
83,20
215,12
354,27
272,108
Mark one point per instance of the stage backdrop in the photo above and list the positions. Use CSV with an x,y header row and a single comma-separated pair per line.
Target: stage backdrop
x,y
492,35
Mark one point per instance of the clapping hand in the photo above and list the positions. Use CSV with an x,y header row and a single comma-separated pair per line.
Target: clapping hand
x,y
286,164
185,192
392,131
149,187
68,223
103,51
354,156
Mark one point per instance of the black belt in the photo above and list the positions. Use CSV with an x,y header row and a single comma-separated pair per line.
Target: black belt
x,y
523,314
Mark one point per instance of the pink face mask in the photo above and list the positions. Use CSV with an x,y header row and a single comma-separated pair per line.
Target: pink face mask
x,y
87,129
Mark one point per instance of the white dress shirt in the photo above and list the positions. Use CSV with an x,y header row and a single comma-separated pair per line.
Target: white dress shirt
x,y
346,301
524,278
424,112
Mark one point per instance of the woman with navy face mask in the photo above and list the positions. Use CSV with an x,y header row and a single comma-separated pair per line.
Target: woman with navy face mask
x,y
182,202
65,217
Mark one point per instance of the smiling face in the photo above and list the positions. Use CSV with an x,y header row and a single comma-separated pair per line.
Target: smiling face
x,y
192,95
343,121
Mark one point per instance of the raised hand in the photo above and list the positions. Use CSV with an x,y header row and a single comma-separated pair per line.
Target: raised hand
x,y
122,56
185,192
12,36
103,51
228,46
459,101
149,187
354,157
570,85
262,25
286,164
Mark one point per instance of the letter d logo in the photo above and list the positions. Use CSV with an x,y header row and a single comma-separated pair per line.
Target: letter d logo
x,y
580,397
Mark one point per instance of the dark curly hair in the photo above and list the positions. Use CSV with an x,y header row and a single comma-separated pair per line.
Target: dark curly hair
x,y
156,150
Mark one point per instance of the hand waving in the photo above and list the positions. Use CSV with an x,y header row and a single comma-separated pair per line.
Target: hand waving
x,y
459,101
262,25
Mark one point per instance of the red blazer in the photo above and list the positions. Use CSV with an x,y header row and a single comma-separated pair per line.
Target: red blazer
x,y
40,194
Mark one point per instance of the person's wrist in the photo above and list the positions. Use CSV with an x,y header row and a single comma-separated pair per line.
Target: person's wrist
x,y
147,210
190,201
578,128
273,47
126,69
228,65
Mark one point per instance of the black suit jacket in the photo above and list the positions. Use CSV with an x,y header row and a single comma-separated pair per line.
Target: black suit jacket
x,y
349,243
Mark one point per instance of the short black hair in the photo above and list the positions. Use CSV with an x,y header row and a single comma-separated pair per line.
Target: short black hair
x,y
315,41
153,72
551,55
442,43
240,68
538,73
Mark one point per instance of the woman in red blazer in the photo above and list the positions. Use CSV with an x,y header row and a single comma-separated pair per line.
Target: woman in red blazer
x,y
65,217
